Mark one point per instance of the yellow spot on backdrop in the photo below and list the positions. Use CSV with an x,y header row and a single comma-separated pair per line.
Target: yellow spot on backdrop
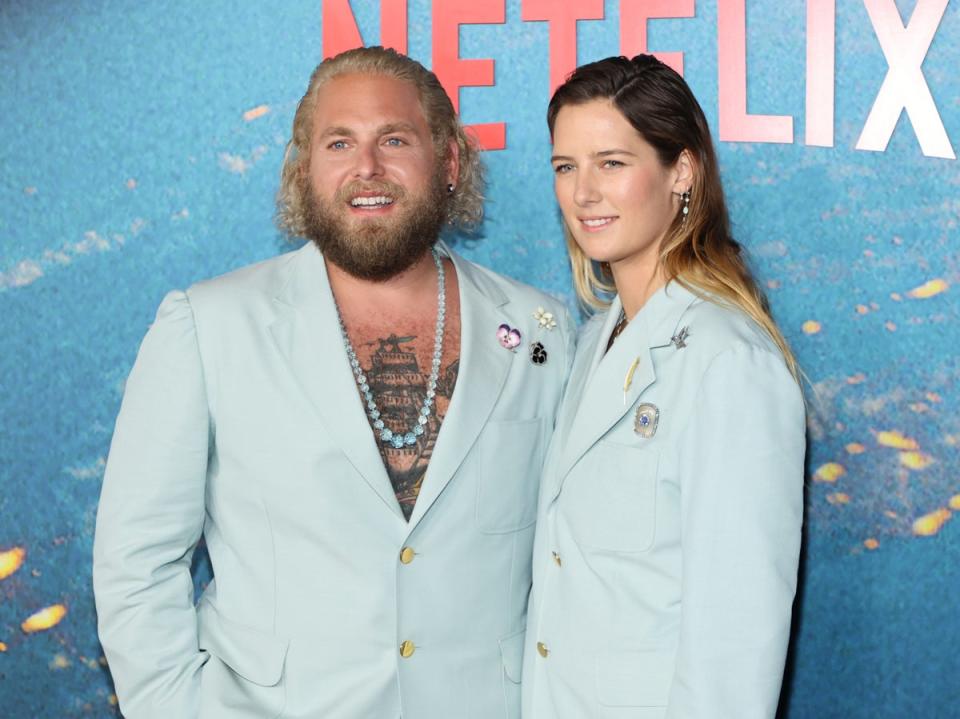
x,y
871,543
915,460
855,448
930,524
934,397
44,619
862,309
59,662
895,296
928,289
891,326
955,502
895,439
919,407
856,378
255,112
3,647
112,700
11,561
811,327
890,513
838,498
829,472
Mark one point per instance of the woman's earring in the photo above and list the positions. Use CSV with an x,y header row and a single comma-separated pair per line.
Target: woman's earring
x,y
685,198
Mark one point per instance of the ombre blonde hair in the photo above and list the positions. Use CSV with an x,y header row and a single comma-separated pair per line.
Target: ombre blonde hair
x,y
698,252
464,207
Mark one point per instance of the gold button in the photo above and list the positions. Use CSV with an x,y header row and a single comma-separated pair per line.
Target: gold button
x,y
407,648
407,554
556,558
542,648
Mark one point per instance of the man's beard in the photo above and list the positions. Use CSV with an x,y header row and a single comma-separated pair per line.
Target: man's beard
x,y
376,249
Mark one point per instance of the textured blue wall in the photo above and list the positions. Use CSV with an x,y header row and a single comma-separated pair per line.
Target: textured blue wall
x,y
129,168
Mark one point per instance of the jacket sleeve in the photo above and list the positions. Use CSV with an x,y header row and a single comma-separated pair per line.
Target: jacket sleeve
x,y
149,520
741,464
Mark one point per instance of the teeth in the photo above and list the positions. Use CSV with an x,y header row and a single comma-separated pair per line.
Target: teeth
x,y
598,223
380,201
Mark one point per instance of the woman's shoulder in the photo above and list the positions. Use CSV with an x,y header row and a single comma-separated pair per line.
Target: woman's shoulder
x,y
716,327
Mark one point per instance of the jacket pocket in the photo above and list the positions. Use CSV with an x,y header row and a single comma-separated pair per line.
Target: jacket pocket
x,y
611,499
254,654
511,654
635,678
243,678
509,461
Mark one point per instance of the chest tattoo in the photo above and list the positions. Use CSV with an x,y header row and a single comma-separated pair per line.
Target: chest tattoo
x,y
399,386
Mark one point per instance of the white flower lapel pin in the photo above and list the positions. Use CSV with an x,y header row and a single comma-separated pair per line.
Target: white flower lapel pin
x,y
544,319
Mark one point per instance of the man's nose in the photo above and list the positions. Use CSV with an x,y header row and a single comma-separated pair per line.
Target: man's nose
x,y
369,162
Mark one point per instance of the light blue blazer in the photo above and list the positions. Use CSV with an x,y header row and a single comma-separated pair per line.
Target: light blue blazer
x,y
665,562
242,422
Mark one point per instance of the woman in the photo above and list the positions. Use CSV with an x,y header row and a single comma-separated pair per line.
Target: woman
x,y
665,563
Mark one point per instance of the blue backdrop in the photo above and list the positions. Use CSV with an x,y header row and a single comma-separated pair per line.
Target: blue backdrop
x,y
141,151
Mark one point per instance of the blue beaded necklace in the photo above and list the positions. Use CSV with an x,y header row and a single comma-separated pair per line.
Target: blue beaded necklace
x,y
385,434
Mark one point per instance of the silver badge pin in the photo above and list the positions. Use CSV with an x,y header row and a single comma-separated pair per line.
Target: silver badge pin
x,y
646,419
680,339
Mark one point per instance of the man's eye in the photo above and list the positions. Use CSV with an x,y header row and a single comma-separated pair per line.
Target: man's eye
x,y
337,145
395,142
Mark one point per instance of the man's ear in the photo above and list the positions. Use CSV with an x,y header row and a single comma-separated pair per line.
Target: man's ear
x,y
685,169
453,162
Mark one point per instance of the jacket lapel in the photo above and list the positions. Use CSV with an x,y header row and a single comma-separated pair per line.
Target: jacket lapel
x,y
614,380
307,334
484,366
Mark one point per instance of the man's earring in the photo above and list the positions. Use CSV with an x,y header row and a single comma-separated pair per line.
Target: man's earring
x,y
450,188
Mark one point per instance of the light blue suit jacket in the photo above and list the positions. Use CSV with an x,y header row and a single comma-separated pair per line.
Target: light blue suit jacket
x,y
242,422
665,566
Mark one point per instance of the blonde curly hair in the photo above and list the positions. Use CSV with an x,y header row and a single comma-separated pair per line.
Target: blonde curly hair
x,y
464,207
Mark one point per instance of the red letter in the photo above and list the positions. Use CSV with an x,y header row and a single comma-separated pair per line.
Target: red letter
x,y
340,31
454,73
563,30
634,15
821,29
904,87
735,124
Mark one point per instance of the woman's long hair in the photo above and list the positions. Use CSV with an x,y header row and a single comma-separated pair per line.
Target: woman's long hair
x,y
700,252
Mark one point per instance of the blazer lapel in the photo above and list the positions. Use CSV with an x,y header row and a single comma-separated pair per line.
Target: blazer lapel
x,y
616,379
484,366
307,334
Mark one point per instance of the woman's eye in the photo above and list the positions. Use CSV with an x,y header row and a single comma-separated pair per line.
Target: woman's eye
x,y
612,163
562,169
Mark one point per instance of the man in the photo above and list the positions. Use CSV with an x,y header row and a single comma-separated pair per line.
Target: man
x,y
356,428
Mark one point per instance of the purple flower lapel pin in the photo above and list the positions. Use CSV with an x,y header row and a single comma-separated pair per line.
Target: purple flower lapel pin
x,y
509,338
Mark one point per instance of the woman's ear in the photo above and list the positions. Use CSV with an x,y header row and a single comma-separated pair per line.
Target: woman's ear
x,y
685,169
